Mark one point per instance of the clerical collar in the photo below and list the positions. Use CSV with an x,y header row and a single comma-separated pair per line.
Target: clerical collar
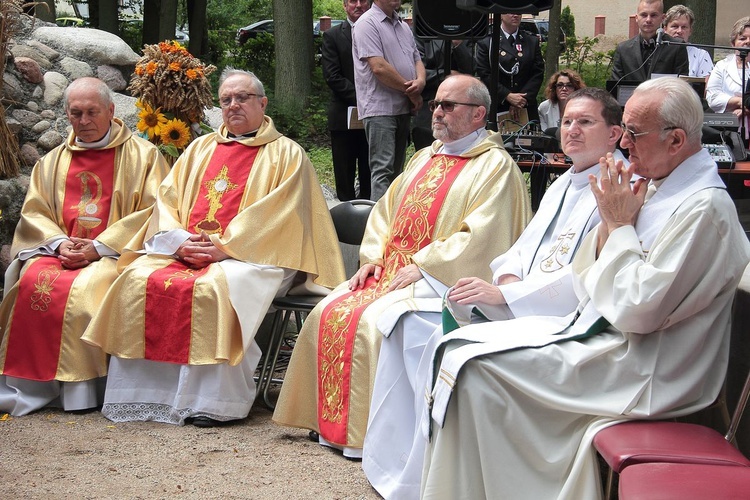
x,y
95,145
243,136
464,144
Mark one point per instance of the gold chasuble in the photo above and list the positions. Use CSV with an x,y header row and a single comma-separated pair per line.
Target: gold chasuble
x,y
258,200
412,230
449,215
170,290
104,194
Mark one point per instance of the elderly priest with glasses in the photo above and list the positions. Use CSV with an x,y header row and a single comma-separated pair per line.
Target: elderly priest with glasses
x,y
239,220
458,202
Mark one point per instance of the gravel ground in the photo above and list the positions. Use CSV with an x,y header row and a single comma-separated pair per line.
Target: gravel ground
x,y
53,454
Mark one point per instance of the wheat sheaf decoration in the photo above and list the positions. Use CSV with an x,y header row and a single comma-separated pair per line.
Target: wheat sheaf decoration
x,y
173,93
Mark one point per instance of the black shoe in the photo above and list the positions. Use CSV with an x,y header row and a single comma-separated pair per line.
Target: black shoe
x,y
205,422
313,436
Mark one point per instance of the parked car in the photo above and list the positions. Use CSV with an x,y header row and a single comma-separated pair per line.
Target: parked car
x,y
252,30
316,26
540,28
72,22
181,36
266,26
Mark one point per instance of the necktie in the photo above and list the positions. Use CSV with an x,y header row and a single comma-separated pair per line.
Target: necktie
x,y
512,40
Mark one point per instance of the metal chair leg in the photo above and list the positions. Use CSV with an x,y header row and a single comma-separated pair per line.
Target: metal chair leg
x,y
279,338
264,376
610,480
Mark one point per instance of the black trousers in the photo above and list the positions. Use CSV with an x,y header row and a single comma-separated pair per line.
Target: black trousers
x,y
350,160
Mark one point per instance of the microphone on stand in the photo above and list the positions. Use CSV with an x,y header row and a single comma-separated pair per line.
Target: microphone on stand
x,y
659,35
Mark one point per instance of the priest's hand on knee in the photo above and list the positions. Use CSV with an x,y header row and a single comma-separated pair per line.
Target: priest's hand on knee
x,y
360,277
475,291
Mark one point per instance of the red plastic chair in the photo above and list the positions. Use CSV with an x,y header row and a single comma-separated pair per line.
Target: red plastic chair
x,y
664,481
638,442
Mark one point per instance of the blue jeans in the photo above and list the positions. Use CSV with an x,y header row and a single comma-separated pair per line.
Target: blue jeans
x,y
388,137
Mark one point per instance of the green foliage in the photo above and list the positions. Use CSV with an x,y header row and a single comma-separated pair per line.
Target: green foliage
x,y
568,23
311,128
322,160
592,65
332,8
221,14
256,55
132,34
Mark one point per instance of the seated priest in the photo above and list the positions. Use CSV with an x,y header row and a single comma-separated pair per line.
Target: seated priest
x,y
87,202
238,221
459,202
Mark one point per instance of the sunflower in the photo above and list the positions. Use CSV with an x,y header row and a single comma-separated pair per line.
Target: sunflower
x,y
151,120
176,133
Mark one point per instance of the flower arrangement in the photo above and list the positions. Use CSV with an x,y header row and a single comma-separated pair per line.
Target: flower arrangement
x,y
173,92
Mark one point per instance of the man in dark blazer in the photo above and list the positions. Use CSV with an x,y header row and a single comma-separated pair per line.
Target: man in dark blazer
x,y
521,67
349,146
640,57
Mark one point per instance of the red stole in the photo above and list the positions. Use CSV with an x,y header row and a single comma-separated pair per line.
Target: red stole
x,y
169,291
412,229
88,192
37,325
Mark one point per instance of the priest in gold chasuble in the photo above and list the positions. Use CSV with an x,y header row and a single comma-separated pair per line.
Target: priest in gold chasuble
x,y
87,203
240,215
456,203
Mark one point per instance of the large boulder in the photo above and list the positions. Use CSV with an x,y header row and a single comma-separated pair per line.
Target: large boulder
x,y
88,44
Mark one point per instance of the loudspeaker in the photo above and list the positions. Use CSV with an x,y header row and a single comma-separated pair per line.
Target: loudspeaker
x,y
506,6
442,19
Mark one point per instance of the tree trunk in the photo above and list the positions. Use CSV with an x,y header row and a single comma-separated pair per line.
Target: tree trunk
x,y
554,38
94,13
293,47
167,19
108,16
196,10
151,21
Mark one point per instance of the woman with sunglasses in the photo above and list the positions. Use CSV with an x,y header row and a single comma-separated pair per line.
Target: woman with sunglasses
x,y
560,86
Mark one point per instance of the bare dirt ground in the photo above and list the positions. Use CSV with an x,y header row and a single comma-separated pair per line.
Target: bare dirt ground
x,y
53,454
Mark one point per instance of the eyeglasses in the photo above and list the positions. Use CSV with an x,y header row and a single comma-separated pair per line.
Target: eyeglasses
x,y
226,101
635,135
566,123
449,106
564,85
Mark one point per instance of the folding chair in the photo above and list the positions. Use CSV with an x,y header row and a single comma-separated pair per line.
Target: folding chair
x,y
662,481
641,442
350,221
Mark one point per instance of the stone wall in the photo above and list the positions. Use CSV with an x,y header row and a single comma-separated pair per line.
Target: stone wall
x,y
43,59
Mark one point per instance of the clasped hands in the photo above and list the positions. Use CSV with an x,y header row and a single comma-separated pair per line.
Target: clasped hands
x,y
77,253
199,251
619,203
413,90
